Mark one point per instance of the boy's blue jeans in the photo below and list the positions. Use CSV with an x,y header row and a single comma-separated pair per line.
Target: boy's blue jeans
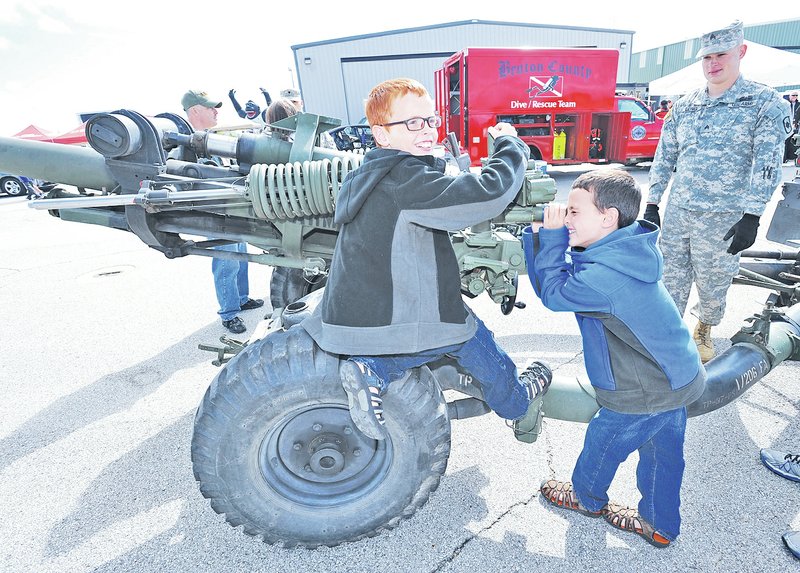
x,y
480,356
610,438
230,281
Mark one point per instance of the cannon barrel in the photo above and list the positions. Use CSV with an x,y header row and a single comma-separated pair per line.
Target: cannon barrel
x,y
68,164
729,375
128,137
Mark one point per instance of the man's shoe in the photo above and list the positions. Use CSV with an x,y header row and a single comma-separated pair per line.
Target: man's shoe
x,y
364,400
252,303
702,338
792,541
235,325
782,463
536,378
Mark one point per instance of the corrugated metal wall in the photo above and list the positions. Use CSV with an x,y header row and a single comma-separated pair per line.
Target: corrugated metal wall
x,y
336,75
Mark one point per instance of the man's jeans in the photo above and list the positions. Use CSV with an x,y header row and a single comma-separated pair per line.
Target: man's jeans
x,y
230,281
610,438
480,356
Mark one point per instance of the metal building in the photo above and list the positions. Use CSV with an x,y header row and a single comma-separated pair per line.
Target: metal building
x,y
655,63
336,75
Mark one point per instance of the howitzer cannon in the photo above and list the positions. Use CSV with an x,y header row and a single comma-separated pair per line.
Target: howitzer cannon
x,y
276,195
273,446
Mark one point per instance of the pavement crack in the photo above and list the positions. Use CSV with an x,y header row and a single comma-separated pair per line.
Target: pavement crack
x,y
548,448
575,358
457,551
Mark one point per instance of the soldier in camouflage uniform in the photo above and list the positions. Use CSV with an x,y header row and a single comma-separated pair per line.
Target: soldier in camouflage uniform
x,y
725,144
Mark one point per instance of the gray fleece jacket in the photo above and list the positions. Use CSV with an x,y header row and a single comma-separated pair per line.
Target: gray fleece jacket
x,y
394,285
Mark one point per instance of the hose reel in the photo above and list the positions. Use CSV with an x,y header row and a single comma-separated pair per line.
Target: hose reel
x,y
294,190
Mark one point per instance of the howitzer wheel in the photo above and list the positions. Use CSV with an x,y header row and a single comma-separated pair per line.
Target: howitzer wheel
x,y
275,451
288,285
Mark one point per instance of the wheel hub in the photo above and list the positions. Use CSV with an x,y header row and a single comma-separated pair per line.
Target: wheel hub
x,y
317,457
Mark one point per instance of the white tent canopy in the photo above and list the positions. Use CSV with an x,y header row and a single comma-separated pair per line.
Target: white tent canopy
x,y
776,68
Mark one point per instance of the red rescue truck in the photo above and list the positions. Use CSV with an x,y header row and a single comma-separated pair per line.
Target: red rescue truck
x,y
561,101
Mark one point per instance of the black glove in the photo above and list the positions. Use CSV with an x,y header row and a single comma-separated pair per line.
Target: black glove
x,y
651,214
743,233
232,93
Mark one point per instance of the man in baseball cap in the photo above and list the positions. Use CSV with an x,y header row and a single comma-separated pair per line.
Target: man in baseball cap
x,y
201,111
720,41
197,97
231,280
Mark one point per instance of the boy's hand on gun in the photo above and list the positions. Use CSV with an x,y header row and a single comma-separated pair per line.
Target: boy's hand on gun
x,y
502,129
554,214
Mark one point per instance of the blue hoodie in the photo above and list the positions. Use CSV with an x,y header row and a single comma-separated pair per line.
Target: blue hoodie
x,y
639,355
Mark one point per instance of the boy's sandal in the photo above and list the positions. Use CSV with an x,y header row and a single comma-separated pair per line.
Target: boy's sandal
x,y
628,519
561,494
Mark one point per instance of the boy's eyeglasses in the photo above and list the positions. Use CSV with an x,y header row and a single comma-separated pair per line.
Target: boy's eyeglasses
x,y
417,123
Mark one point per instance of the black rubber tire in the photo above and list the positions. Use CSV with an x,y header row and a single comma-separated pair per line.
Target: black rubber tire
x,y
276,410
13,186
288,284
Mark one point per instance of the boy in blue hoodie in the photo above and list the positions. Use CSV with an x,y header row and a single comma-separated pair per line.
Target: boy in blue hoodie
x,y
592,257
393,297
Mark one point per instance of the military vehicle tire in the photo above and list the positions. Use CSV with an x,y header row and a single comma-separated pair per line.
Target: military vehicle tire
x,y
287,285
275,450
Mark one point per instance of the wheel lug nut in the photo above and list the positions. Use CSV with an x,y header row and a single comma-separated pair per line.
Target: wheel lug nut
x,y
316,427
348,430
357,452
307,468
297,446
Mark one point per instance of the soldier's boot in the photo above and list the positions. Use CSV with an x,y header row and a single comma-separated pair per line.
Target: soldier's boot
x,y
702,338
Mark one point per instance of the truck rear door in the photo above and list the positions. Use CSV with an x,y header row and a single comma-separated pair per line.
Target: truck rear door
x,y
618,137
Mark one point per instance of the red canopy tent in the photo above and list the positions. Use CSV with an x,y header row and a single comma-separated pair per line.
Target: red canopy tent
x,y
34,133
76,135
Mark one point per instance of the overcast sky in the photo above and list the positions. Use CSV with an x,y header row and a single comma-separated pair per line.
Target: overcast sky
x,y
61,58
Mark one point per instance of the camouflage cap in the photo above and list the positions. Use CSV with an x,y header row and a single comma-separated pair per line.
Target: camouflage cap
x,y
197,97
722,40
290,93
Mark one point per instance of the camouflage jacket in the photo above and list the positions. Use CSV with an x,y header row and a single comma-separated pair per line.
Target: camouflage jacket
x,y
726,152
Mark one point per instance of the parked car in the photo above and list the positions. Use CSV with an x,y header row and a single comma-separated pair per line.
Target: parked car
x,y
12,185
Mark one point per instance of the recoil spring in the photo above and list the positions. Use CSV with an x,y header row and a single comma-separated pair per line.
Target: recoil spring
x,y
294,190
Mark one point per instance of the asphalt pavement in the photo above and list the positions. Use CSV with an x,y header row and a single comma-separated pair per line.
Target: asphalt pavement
x,y
101,373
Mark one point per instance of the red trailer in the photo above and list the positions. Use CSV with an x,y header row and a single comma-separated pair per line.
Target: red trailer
x,y
561,101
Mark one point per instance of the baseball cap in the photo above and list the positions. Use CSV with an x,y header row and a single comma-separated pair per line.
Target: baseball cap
x,y
197,97
290,93
721,40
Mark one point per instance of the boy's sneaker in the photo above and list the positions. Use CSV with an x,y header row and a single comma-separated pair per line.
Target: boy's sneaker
x,y
782,463
536,378
362,386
